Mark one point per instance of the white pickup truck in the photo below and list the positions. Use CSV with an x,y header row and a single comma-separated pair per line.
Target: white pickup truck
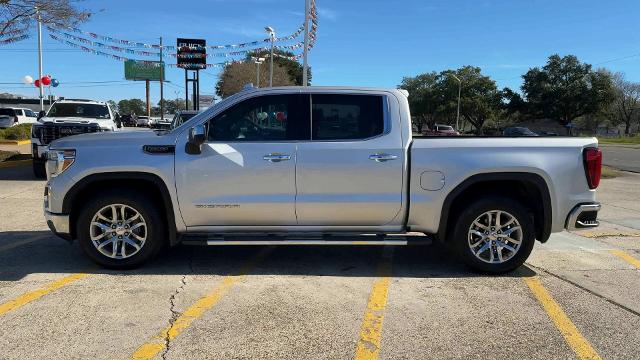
x,y
68,117
317,165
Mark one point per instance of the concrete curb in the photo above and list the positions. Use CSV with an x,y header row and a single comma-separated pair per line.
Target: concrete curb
x,y
15,142
16,163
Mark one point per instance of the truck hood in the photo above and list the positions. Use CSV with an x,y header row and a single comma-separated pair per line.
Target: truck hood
x,y
113,139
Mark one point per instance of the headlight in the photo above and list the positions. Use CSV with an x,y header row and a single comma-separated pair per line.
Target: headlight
x,y
59,161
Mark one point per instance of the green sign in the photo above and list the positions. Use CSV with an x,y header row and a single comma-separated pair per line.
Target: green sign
x,y
143,70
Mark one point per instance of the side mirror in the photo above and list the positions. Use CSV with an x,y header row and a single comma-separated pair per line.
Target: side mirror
x,y
197,137
41,114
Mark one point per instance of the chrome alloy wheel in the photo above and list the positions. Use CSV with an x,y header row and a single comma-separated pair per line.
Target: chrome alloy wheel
x,y
495,236
118,231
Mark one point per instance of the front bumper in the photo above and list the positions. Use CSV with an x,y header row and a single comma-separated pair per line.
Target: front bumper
x,y
58,224
583,216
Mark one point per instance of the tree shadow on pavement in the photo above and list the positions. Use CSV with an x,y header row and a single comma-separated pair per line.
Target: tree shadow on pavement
x,y
24,253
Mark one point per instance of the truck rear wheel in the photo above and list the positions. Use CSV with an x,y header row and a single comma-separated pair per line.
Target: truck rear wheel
x,y
39,170
121,230
494,234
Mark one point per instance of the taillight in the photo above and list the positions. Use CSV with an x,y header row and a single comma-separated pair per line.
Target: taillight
x,y
592,166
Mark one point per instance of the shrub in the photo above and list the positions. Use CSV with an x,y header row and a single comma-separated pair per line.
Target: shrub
x,y
19,132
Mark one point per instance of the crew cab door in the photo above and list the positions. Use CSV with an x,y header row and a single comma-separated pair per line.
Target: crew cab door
x,y
245,174
351,172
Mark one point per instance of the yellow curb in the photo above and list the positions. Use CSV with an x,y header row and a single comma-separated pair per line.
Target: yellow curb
x,y
16,163
15,142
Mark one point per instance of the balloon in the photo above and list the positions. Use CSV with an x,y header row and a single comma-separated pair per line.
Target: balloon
x,y
27,79
55,82
37,83
46,80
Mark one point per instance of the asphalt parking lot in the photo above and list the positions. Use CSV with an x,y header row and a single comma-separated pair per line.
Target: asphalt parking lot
x,y
577,297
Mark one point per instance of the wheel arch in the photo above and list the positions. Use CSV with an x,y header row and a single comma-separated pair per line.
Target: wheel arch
x,y
530,187
146,182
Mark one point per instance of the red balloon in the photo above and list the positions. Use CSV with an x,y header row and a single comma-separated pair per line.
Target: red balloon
x,y
36,83
46,81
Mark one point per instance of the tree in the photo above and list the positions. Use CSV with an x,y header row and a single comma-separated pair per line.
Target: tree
x,y
626,101
294,68
565,89
132,106
236,75
480,98
19,15
422,98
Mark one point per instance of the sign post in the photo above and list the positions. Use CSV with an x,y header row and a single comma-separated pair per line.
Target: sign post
x,y
192,56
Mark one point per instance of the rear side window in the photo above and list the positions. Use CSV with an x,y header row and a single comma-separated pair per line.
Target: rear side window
x,y
346,117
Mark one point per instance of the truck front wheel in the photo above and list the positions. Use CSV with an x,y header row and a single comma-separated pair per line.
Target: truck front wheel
x,y
120,230
494,234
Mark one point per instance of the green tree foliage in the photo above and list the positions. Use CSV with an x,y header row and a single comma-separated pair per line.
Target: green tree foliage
x,y
565,89
132,106
626,102
171,106
238,74
434,97
294,68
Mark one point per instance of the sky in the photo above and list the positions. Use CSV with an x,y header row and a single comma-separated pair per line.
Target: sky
x,y
360,43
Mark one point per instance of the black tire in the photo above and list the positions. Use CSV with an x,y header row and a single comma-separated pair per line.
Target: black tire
x,y
39,170
460,232
155,228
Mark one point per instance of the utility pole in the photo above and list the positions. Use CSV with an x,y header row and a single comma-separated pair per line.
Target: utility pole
x,y
40,58
161,82
305,64
459,93
272,35
148,101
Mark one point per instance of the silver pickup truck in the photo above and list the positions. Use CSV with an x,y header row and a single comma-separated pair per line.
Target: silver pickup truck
x,y
317,165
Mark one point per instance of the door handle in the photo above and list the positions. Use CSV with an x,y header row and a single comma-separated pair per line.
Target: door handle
x,y
382,157
276,157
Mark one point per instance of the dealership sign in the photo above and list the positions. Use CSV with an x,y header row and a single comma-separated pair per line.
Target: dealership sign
x,y
143,70
192,53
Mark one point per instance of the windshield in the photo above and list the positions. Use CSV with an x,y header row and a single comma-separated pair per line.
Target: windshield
x,y
94,111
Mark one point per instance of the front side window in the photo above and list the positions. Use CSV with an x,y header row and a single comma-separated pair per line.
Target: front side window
x,y
264,118
79,110
346,117
30,113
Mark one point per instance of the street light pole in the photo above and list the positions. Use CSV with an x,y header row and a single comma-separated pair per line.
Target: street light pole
x,y
258,61
459,93
272,35
161,83
40,58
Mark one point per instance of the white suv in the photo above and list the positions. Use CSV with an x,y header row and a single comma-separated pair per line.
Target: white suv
x,y
16,116
65,118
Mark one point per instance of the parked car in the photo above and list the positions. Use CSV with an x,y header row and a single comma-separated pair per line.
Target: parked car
x,y
142,120
164,123
129,120
6,121
18,116
65,118
298,165
518,131
441,130
547,133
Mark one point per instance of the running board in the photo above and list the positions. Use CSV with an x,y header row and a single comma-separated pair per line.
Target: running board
x,y
330,240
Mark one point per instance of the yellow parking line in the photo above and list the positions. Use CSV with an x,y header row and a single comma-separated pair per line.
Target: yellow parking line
x,y
36,294
157,343
371,331
626,257
571,334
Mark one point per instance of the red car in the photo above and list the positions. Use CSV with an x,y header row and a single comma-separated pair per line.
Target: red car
x,y
441,130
